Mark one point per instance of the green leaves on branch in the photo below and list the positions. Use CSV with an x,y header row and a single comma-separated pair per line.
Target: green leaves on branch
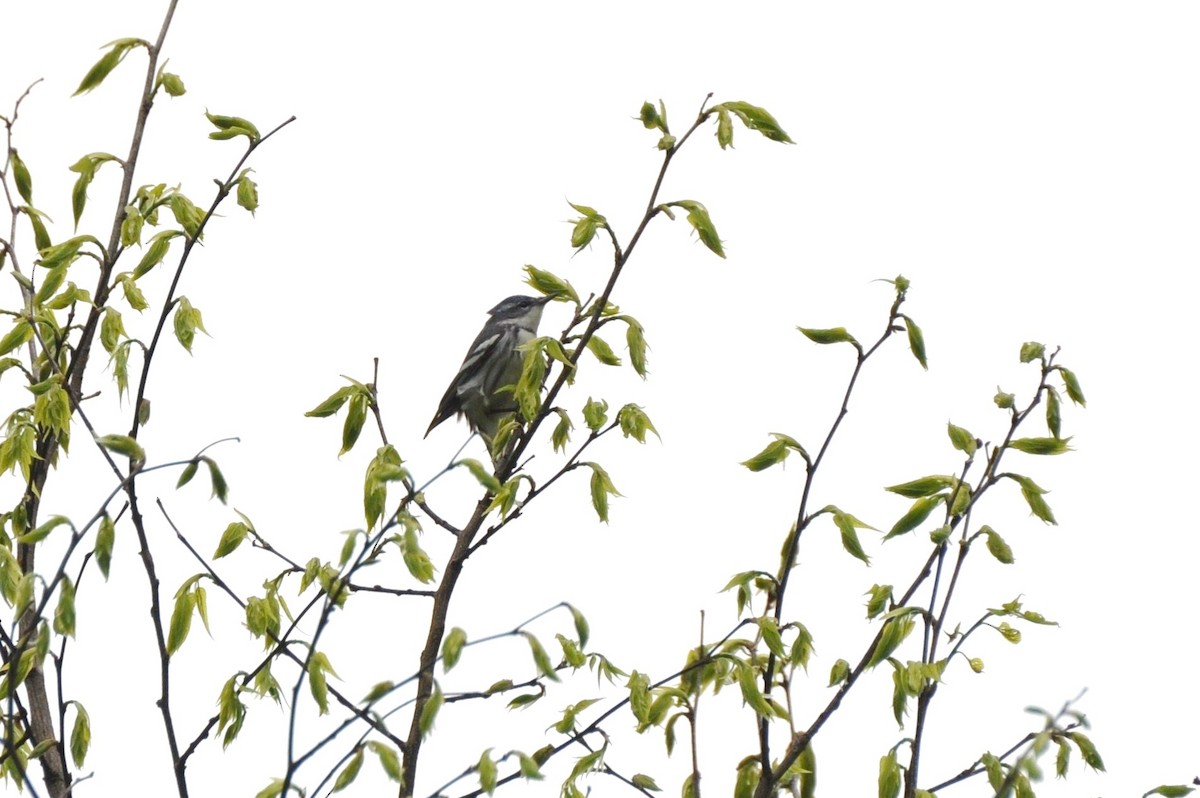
x,y
318,671
169,82
848,525
776,452
832,335
601,488
655,118
86,167
220,489
898,625
229,127
189,599
187,322
635,423
752,116
247,191
698,218
545,282
360,398
386,466
117,51
962,440
21,176
585,227
1041,445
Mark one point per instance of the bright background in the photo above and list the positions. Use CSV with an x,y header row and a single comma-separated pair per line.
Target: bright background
x,y
1031,167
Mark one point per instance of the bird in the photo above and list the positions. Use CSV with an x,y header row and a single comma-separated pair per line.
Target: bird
x,y
482,390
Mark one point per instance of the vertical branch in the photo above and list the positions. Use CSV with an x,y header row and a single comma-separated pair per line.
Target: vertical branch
x,y
41,718
463,546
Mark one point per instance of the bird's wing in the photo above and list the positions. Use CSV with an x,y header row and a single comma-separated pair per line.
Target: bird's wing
x,y
482,348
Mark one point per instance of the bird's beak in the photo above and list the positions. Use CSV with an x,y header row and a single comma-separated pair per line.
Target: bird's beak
x,y
546,298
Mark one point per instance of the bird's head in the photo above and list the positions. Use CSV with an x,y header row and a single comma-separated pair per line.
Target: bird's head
x,y
524,311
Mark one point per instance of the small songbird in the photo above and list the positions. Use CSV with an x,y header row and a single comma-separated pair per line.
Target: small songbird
x,y
492,363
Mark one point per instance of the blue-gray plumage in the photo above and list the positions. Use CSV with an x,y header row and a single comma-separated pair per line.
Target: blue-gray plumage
x,y
492,363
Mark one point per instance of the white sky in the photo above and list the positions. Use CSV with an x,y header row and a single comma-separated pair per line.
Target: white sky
x,y
1031,167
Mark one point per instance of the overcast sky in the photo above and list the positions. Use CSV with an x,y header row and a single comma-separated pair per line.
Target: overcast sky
x,y
1032,168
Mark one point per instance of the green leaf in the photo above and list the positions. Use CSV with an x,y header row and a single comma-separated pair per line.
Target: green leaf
x,y
1009,633
482,475
1032,350
561,435
172,84
644,782
895,630
20,334
635,340
486,767
832,335
123,445
775,452
112,329
603,352
700,221
452,647
247,192
635,423
1062,761
181,620
1041,445
846,525
86,167
1071,383
582,631
187,321
318,667
529,767
333,404
889,775
585,227
756,118
81,735
350,771
724,128
839,672
601,487
415,559
996,545
915,516
880,596
105,539
220,490
1004,401
231,538
230,126
916,342
751,694
389,760
1170,791
186,214
650,117
545,282
962,440
925,486
64,612
107,63
1087,750
21,176
160,245
540,658
356,419
1053,413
